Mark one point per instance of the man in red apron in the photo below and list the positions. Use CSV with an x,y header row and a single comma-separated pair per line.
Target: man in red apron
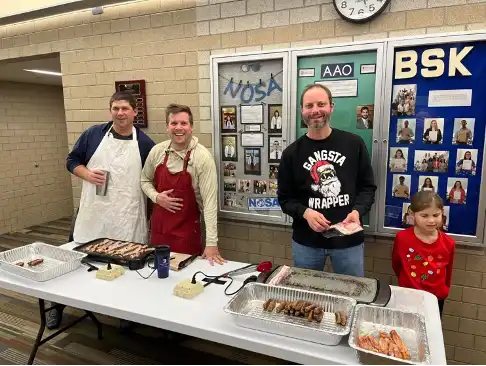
x,y
180,177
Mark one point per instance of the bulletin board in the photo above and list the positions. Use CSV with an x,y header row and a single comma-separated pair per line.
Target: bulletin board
x,y
436,131
251,127
354,75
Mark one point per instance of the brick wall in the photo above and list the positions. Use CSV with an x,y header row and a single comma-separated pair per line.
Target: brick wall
x,y
169,43
33,131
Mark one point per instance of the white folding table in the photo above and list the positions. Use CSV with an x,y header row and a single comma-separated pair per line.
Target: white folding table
x,y
151,302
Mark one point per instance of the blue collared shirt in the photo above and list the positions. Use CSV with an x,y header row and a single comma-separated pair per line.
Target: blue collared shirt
x,y
90,139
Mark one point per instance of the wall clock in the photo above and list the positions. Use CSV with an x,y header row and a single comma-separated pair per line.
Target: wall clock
x,y
360,11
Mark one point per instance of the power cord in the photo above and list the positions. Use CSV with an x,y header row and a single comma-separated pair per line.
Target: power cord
x,y
214,278
148,265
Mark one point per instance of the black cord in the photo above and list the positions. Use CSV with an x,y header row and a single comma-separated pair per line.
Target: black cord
x,y
148,265
217,278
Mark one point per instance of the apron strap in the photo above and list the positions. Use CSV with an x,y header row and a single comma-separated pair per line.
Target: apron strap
x,y
186,160
166,156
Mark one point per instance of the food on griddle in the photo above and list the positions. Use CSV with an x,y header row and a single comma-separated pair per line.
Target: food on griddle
x,y
35,262
20,264
298,308
116,248
387,344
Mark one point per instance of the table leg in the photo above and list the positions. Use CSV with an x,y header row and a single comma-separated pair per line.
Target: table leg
x,y
39,341
42,327
97,322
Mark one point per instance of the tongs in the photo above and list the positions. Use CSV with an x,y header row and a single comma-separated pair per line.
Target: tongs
x,y
265,266
262,267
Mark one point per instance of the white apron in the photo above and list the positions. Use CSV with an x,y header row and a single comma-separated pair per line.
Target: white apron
x,y
121,213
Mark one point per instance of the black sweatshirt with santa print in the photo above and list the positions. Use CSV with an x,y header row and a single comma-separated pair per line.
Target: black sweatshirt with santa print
x,y
332,176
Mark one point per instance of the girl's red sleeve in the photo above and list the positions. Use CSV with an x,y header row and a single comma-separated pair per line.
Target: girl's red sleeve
x,y
450,267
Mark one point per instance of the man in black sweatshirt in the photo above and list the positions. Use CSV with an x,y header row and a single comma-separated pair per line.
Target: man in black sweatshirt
x,y
325,177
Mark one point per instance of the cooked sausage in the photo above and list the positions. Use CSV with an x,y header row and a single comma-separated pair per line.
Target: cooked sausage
x,y
35,262
311,316
20,264
281,306
271,306
338,317
265,305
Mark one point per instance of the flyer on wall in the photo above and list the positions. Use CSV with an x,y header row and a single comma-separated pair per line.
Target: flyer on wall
x,y
437,133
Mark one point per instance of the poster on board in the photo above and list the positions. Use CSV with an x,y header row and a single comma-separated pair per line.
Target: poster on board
x,y
433,147
252,126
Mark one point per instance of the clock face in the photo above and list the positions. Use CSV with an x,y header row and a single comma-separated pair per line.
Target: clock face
x,y
358,11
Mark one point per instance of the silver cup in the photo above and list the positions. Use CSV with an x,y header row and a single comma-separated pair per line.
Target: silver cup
x,y
101,190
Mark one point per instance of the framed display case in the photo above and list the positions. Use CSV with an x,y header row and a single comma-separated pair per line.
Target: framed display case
x,y
434,131
251,128
354,74
416,102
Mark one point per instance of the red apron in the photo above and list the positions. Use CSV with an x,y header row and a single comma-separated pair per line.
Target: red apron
x,y
180,230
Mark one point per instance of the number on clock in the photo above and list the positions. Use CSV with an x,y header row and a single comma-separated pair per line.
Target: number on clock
x,y
359,11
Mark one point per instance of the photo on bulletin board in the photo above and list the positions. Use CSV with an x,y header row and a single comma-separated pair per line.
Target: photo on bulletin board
x,y
260,187
275,118
466,161
230,148
401,186
406,130
245,185
457,190
229,184
364,117
431,161
273,172
253,161
407,215
463,133
228,119
404,100
398,159
445,218
229,169
229,199
275,149
428,183
433,130
272,187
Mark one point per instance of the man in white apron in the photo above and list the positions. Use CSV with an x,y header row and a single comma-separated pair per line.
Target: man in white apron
x,y
120,149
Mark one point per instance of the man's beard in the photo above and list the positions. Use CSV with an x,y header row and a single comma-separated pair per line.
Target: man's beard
x,y
317,125
330,187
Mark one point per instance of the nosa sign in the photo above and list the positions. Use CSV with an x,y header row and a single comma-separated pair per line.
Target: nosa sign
x,y
249,93
267,203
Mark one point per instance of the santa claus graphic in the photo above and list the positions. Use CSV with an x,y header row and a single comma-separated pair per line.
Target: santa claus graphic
x,y
325,179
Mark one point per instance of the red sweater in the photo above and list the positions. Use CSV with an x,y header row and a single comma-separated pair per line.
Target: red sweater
x,y
424,266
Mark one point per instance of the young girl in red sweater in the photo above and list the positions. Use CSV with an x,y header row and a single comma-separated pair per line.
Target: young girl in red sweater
x,y
423,254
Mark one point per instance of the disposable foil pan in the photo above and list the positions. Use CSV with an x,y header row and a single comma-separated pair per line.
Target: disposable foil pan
x,y
247,310
370,320
57,261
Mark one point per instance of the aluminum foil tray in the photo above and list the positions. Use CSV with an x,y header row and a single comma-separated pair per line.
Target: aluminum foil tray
x,y
360,288
370,320
57,261
247,309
